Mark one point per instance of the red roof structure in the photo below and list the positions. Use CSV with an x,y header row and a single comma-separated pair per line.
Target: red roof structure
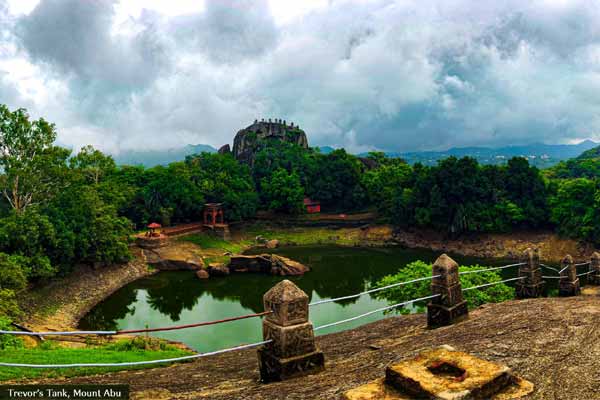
x,y
154,225
312,206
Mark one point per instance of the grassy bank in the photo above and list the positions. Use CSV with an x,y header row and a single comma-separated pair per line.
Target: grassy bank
x,y
216,250
50,353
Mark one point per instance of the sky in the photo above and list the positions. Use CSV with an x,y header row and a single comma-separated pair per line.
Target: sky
x,y
394,75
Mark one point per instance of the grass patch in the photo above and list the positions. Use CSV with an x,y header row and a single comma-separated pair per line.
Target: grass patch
x,y
211,242
303,236
49,353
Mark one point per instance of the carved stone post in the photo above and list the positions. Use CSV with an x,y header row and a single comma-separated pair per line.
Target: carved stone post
x,y
450,306
292,351
594,277
569,282
532,285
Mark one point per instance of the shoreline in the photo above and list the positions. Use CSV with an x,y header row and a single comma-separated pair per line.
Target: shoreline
x,y
61,304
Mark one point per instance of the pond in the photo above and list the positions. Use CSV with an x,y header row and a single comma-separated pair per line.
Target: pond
x,y
175,298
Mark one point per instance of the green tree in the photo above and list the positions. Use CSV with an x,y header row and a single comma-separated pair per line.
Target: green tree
x,y
575,209
221,179
389,187
30,234
93,164
87,229
526,189
34,169
283,192
337,183
13,279
420,269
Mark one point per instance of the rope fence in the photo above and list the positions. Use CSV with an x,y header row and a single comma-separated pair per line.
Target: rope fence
x,y
494,283
137,363
446,289
490,269
549,267
375,311
353,296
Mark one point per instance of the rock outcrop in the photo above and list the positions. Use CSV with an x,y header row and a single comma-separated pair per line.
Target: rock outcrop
x,y
267,264
225,149
218,269
176,256
250,140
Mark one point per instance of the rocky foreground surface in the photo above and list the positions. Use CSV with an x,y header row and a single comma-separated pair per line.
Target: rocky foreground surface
x,y
552,342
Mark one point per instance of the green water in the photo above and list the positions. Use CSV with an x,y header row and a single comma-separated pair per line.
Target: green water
x,y
174,298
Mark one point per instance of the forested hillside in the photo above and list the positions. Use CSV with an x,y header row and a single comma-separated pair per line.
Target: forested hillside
x,y
60,209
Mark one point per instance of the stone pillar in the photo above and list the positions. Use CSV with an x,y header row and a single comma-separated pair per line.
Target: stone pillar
x,y
569,282
292,351
450,306
594,277
532,285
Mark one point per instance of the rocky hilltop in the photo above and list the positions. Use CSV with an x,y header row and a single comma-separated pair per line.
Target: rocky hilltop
x,y
250,140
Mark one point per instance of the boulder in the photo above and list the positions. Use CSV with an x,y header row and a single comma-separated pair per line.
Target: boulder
x,y
284,266
258,263
202,274
272,244
218,269
175,256
267,264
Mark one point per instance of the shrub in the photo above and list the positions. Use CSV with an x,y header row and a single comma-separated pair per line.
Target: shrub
x,y
418,269
8,341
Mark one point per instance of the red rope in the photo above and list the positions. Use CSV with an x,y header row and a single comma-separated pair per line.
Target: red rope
x,y
172,328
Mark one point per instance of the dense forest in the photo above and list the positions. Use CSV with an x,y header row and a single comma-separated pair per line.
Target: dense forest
x,y
60,209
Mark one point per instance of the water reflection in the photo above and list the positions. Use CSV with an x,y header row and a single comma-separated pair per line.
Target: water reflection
x,y
170,297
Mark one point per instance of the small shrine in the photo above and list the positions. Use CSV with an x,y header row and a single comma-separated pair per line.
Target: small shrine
x,y
213,214
153,238
153,230
214,220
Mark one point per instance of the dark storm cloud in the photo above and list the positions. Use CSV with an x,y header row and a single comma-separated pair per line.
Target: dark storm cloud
x,y
387,74
228,32
75,37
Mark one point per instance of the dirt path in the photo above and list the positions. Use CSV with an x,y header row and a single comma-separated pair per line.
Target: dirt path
x,y
552,342
62,303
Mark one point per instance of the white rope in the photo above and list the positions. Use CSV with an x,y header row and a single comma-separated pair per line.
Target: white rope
x,y
583,263
135,363
490,269
72,333
550,277
585,273
352,296
564,269
493,283
549,267
374,312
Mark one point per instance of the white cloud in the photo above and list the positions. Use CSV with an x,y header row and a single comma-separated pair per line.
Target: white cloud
x,y
386,74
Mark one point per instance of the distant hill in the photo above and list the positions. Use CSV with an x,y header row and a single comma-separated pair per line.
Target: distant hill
x,y
151,158
326,149
592,153
539,154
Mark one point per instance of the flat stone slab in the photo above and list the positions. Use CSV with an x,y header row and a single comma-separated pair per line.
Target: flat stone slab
x,y
444,374
378,390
